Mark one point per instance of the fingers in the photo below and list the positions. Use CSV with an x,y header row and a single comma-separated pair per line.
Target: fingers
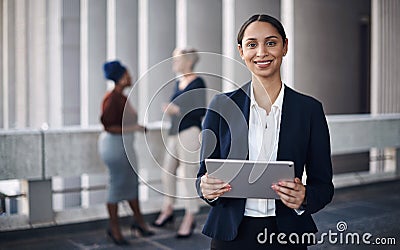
x,y
291,193
288,200
164,107
296,185
212,187
297,180
176,110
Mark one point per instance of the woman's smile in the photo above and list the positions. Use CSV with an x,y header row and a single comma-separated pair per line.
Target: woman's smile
x,y
263,63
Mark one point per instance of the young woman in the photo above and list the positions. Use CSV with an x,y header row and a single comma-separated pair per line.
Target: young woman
x,y
186,109
265,120
123,181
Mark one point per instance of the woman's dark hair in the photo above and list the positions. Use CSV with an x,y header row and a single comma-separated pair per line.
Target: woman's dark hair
x,y
262,18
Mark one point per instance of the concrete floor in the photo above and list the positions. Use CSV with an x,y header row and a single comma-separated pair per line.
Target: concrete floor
x,y
372,208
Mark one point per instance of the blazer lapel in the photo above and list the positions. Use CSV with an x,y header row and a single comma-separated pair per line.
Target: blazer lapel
x,y
284,145
239,123
245,96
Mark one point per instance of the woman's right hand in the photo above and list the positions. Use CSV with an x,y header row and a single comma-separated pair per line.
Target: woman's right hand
x,y
140,128
212,188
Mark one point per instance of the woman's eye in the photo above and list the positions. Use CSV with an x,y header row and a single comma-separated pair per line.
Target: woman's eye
x,y
270,43
251,45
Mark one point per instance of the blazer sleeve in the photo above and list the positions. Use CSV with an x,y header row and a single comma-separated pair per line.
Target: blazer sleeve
x,y
319,188
210,145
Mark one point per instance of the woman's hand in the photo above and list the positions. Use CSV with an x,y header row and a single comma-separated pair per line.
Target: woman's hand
x,y
140,128
171,109
292,194
212,188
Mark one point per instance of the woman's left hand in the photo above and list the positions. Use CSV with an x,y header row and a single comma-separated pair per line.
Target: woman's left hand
x,y
292,194
171,109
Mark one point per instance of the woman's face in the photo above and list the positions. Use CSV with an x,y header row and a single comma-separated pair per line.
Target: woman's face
x,y
125,80
262,50
180,64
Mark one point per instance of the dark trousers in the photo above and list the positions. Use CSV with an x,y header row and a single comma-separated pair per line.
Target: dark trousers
x,y
256,233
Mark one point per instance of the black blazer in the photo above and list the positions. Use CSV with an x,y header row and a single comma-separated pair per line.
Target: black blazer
x,y
303,139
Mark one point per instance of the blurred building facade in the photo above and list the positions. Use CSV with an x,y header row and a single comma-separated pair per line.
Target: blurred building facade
x,y
342,52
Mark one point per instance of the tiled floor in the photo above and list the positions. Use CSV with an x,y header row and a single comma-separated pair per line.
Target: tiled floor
x,y
372,208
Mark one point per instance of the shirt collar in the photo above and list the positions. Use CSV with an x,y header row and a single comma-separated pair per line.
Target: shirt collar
x,y
278,102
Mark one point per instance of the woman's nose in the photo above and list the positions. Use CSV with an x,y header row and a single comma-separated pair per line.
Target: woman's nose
x,y
262,51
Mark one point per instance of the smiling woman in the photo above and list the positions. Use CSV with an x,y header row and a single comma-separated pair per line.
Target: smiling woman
x,y
298,133
262,48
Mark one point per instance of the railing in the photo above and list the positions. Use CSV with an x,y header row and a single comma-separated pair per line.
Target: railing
x,y
379,134
37,156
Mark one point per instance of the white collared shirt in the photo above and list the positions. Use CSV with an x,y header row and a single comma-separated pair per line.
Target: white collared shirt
x,y
263,146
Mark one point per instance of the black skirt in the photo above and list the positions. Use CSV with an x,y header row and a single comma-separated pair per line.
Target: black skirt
x,y
256,233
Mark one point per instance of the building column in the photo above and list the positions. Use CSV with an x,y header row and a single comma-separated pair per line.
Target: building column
x,y
54,59
228,42
122,37
385,76
126,34
21,63
287,18
1,63
71,62
126,43
143,56
93,55
156,43
37,76
205,35
29,49
8,63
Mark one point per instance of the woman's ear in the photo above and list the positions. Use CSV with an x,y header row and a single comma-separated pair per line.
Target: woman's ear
x,y
240,49
285,48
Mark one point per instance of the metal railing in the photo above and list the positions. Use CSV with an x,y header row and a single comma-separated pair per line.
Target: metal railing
x,y
36,156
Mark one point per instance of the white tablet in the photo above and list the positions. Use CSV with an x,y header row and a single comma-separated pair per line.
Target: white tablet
x,y
250,179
